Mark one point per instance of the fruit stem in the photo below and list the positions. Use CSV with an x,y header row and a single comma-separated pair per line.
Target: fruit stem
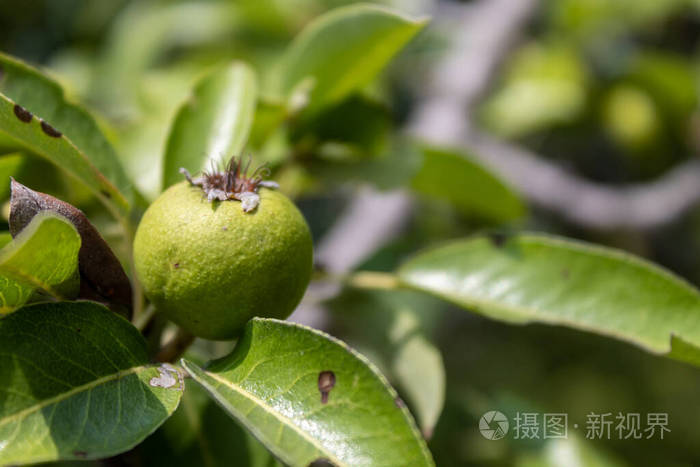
x,y
177,346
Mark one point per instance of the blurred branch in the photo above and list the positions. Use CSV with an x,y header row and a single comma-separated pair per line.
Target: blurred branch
x,y
458,83
371,218
482,35
641,206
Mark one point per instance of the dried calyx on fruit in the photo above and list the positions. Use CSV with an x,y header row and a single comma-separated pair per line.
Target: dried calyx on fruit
x,y
233,183
210,266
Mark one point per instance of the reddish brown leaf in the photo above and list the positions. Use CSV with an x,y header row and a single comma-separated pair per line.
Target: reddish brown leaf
x,y
102,277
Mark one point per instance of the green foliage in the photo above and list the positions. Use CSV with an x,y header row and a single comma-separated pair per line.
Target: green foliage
x,y
605,87
215,121
273,384
339,52
27,264
35,113
78,385
526,278
445,174
201,433
394,329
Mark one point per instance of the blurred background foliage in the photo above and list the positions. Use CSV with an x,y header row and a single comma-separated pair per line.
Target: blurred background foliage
x,y
607,88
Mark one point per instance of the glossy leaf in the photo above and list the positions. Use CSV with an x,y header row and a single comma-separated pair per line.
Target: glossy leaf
x,y
392,329
470,188
34,111
341,51
274,382
202,433
537,278
76,384
44,255
214,123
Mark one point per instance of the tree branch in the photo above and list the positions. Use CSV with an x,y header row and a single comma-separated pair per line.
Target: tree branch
x,y
594,205
457,85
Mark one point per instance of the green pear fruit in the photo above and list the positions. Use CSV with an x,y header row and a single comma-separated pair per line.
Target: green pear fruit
x,y
212,262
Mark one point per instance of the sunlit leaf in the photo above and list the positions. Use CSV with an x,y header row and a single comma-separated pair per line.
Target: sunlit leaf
x,y
535,278
77,384
341,51
214,123
392,328
44,255
307,396
202,433
453,177
34,111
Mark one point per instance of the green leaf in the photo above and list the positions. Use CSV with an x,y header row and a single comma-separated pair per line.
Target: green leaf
x,y
34,111
10,164
201,433
419,369
5,238
44,255
214,123
452,177
361,123
142,34
341,51
536,278
391,327
270,384
76,384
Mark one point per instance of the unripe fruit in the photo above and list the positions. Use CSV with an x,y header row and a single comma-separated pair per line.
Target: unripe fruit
x,y
210,266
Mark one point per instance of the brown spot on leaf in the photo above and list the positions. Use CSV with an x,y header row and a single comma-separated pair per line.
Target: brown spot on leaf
x,y
498,239
224,229
49,130
176,265
22,114
399,402
82,454
106,194
321,462
326,382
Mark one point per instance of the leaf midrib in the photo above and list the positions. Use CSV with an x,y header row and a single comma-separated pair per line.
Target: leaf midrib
x,y
65,395
284,420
